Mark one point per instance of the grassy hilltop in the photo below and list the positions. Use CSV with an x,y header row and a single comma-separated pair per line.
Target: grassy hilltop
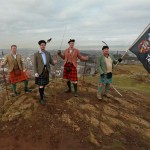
x,y
83,123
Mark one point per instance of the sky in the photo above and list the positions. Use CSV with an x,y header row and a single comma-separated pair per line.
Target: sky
x,y
117,22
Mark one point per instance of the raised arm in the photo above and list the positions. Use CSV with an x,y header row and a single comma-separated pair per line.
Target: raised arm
x,y
83,58
60,54
51,60
116,61
4,62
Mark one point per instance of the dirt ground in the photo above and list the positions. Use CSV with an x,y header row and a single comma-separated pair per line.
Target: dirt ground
x,y
69,123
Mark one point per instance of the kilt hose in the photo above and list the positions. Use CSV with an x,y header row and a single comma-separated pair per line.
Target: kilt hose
x,y
70,72
43,79
17,76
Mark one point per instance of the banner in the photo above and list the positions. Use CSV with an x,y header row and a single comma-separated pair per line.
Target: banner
x,y
141,48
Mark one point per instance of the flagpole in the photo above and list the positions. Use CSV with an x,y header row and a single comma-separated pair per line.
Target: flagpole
x,y
140,35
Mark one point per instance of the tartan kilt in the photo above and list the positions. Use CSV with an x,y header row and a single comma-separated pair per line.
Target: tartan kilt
x,y
105,80
17,76
43,79
72,74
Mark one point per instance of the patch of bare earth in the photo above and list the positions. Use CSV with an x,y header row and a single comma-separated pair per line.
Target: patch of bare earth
x,y
70,123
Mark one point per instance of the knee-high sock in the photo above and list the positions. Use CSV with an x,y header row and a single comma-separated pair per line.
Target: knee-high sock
x,y
100,89
14,87
69,85
107,86
41,91
26,84
75,87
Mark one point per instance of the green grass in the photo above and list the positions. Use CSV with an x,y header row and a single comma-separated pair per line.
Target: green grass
x,y
126,82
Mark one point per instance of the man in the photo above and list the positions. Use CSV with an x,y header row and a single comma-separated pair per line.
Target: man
x,y
70,57
17,72
42,61
105,66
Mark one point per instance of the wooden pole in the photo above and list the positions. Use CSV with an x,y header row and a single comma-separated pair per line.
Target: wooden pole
x,y
4,76
55,92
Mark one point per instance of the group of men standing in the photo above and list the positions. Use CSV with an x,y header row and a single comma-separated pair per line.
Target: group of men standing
x,y
43,60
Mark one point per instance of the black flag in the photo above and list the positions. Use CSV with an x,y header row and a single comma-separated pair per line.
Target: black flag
x,y
141,48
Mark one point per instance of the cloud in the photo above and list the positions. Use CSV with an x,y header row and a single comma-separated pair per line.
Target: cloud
x,y
118,22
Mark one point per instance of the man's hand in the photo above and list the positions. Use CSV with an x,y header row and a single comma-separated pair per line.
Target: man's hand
x,y
87,58
120,59
2,64
59,52
36,75
24,70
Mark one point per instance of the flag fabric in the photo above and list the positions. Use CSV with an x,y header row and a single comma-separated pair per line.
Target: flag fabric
x,y
141,48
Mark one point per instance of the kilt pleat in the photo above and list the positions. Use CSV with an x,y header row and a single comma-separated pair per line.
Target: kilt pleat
x,y
72,74
105,80
43,79
17,76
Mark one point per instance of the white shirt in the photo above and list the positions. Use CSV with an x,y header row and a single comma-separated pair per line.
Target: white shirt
x,y
14,55
108,64
43,56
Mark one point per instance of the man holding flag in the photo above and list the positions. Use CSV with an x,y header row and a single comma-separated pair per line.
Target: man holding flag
x,y
105,67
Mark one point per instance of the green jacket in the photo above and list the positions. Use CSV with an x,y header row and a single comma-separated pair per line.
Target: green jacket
x,y
102,64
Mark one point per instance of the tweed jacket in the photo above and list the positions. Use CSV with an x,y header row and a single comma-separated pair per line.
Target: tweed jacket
x,y
10,60
39,64
102,68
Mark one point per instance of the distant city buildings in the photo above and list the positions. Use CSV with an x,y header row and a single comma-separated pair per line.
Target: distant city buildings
x,y
90,68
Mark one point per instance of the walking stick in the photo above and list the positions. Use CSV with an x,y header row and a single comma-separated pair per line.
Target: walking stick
x,y
57,60
3,102
84,72
55,81
63,38
83,76
55,73
4,76
116,90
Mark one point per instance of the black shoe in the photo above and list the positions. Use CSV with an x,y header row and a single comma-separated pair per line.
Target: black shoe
x,y
27,90
68,91
42,101
15,94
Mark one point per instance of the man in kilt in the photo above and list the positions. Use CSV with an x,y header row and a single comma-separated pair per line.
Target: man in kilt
x,y
105,66
17,72
42,61
70,57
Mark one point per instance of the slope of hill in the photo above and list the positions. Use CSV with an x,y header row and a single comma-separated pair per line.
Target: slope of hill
x,y
82,123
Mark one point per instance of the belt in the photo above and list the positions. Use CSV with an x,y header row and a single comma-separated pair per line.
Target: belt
x,y
69,63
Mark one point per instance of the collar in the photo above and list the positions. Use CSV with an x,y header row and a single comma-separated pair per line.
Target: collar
x,y
14,54
41,52
106,56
